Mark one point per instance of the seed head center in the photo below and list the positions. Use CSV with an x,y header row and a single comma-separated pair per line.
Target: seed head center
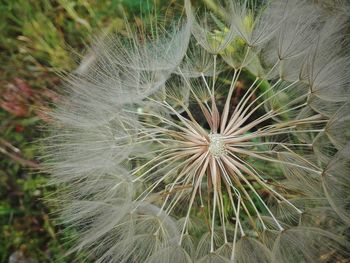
x,y
216,144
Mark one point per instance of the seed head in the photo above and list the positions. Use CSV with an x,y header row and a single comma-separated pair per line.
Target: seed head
x,y
224,139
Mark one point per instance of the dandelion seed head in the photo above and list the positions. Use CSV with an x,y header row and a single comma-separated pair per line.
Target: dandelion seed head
x,y
221,140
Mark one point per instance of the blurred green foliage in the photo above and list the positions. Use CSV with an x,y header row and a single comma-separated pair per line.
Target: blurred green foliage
x,y
39,38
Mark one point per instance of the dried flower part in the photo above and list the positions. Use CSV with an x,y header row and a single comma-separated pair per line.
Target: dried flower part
x,y
336,183
226,145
